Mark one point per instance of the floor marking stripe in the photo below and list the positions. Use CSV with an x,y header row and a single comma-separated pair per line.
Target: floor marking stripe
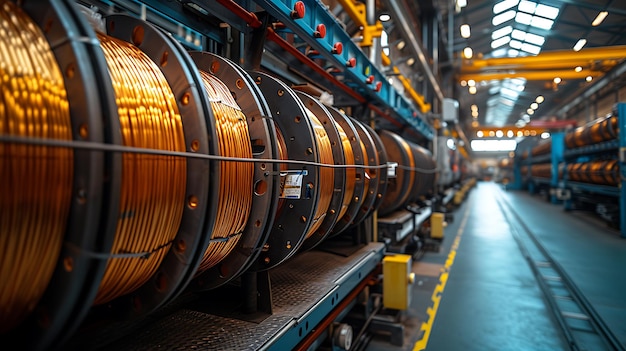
x,y
443,279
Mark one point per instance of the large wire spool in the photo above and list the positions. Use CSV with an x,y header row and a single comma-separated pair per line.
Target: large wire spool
x,y
602,172
382,173
425,173
52,197
372,174
354,202
600,130
331,191
299,201
399,188
265,188
166,204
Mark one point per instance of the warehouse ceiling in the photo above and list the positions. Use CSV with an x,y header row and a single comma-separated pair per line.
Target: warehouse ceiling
x,y
520,90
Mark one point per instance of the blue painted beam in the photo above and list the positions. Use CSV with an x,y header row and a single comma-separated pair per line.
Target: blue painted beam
x,y
363,77
621,115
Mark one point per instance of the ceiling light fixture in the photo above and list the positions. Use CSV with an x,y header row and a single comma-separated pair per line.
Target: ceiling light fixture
x,y
474,107
465,31
410,61
384,17
589,78
471,83
468,53
530,111
539,99
461,3
579,44
599,18
534,105
578,69
401,44
472,90
557,80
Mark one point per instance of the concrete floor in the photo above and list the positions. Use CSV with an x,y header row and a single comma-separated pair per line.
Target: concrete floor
x,y
491,299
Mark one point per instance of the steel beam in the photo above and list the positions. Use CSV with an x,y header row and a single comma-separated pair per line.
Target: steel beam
x,y
585,55
531,75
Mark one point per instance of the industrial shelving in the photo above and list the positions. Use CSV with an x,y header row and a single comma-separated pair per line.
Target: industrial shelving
x,y
566,191
554,158
571,189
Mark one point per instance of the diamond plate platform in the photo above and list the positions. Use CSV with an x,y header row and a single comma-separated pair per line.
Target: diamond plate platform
x,y
304,290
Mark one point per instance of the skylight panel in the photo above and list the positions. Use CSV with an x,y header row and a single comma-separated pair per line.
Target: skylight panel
x,y
547,11
523,18
542,23
501,32
531,48
527,6
504,5
518,34
499,42
510,93
535,39
498,53
512,53
503,17
515,44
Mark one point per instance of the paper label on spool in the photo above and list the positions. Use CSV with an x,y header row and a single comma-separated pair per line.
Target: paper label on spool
x,y
291,184
391,169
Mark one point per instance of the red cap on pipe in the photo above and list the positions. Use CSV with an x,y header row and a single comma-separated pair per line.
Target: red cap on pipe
x,y
298,10
337,48
320,31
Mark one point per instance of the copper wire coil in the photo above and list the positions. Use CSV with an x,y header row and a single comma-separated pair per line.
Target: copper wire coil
x,y
327,174
153,187
236,178
350,172
36,182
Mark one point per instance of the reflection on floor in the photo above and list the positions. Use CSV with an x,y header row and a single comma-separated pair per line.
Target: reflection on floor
x,y
491,299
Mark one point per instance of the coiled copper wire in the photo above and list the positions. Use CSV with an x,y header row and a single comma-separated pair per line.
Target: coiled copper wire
x,y
36,181
350,171
153,187
326,182
236,179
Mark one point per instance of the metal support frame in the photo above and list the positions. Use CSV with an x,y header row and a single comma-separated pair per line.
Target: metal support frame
x,y
338,49
556,157
621,115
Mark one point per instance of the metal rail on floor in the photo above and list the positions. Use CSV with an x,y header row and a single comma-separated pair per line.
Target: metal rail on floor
x,y
582,327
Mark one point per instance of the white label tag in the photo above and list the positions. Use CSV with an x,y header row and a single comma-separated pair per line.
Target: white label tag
x,y
391,169
291,185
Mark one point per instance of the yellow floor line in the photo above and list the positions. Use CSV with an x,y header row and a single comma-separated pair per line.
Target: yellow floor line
x,y
443,279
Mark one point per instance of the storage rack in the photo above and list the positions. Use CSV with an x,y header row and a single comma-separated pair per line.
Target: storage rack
x,y
571,190
553,158
566,191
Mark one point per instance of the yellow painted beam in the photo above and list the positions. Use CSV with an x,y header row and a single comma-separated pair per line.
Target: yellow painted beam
x,y
406,83
587,54
356,11
561,64
530,75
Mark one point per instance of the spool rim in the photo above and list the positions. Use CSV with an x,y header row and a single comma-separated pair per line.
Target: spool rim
x,y
359,186
264,206
330,220
292,223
